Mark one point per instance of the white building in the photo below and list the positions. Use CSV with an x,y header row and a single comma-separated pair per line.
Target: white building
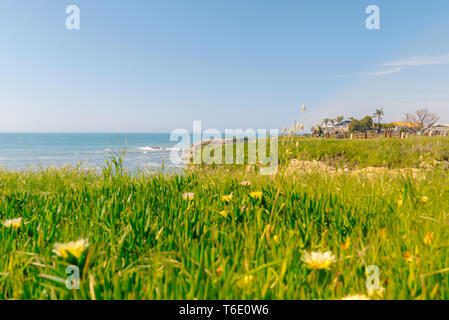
x,y
439,129
342,126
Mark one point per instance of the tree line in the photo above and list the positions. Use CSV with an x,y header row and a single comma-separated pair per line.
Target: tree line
x,y
419,121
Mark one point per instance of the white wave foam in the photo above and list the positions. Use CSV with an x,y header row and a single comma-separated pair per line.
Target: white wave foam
x,y
148,148
152,164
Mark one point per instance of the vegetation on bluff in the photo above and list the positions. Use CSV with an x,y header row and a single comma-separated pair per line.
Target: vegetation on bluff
x,y
224,233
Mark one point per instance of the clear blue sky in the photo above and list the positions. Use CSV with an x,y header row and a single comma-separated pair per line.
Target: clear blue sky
x,y
152,66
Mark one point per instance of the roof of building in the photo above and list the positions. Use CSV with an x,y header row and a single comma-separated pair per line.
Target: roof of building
x,y
405,124
343,123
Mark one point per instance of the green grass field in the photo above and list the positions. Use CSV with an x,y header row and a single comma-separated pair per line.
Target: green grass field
x,y
148,241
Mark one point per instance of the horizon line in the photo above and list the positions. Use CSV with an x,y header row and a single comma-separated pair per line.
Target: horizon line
x,y
83,132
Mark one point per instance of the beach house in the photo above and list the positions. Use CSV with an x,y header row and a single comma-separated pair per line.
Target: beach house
x,y
439,129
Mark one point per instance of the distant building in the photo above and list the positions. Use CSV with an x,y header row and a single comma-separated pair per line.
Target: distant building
x,y
405,126
342,126
337,128
439,129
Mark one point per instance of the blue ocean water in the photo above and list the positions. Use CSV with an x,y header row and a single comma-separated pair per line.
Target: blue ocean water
x,y
89,150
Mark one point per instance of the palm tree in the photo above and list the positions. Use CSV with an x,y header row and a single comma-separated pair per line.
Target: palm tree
x,y
339,119
379,114
325,121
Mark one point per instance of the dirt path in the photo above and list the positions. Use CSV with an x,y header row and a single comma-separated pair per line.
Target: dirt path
x,y
301,166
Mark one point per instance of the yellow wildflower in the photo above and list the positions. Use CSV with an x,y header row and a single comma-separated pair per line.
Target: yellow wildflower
x,y
227,198
219,271
411,258
276,238
319,260
356,297
400,203
245,281
224,213
379,293
256,195
408,257
75,248
428,239
424,199
188,196
13,223
346,245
